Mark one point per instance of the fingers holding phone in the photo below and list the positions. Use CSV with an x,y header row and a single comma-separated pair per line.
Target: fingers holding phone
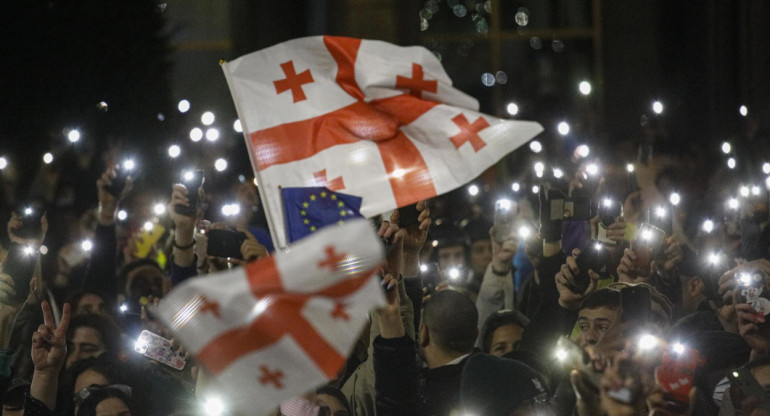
x,y
250,248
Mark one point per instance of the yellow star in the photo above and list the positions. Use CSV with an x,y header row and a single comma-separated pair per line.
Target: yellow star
x,y
340,204
334,197
312,228
343,213
312,197
305,205
323,194
306,221
303,212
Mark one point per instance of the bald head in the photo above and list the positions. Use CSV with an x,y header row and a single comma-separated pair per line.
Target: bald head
x,y
451,318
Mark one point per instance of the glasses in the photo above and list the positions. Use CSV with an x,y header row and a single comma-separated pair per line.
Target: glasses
x,y
87,392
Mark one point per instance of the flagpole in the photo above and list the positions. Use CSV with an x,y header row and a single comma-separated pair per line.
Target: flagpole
x,y
252,158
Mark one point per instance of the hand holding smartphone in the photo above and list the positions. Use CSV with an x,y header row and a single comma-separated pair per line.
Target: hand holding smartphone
x,y
225,243
646,247
610,211
193,180
505,212
157,348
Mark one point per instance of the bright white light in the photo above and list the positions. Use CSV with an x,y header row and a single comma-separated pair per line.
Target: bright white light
x,y
237,126
678,348
630,168
646,234
129,164
454,273
539,167
731,163
583,150
183,106
87,245
122,215
231,209
28,211
744,191
733,203
174,150
657,107
213,406
607,202
766,168
148,226
675,199
744,110
708,226
504,204
726,148
557,173
207,118
647,342
73,136
434,243
561,355
515,187
196,134
423,268
28,250
755,190
3,163
563,128
48,158
159,209
473,190
535,146
512,109
399,173
524,232
123,307
220,165
188,175
212,134
744,278
592,169
585,87
713,258
535,189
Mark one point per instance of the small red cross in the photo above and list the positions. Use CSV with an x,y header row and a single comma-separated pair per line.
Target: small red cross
x,y
339,312
468,132
271,377
293,81
417,84
332,259
212,307
333,185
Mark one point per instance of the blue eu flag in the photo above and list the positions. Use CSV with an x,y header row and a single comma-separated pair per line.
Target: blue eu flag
x,y
310,209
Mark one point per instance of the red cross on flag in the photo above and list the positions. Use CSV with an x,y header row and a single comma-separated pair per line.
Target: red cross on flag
x,y
282,325
375,120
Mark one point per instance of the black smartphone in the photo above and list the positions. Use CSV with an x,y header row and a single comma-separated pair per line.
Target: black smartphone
x,y
662,217
593,256
193,180
30,215
610,211
748,386
635,303
505,213
408,216
712,265
647,246
225,243
123,171
20,265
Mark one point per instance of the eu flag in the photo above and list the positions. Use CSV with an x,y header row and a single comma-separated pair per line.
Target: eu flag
x,y
310,209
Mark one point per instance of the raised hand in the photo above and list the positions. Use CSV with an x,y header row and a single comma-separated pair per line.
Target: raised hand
x,y
49,343
251,249
565,280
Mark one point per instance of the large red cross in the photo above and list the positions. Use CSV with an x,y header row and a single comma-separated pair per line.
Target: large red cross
x,y
209,306
469,132
293,81
339,312
334,185
332,259
417,84
282,317
271,377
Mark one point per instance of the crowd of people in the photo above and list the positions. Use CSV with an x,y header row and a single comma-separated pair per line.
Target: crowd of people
x,y
590,295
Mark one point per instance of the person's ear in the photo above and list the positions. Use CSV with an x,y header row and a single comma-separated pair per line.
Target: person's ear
x,y
424,336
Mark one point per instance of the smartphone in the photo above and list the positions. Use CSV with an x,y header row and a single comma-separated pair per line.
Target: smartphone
x,y
408,216
636,306
745,382
610,211
20,265
193,180
118,183
157,348
593,256
505,212
662,217
30,215
576,208
675,375
225,243
572,357
430,276
754,291
711,266
647,246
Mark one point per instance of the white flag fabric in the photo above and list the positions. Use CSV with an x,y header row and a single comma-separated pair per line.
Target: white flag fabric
x,y
363,117
282,325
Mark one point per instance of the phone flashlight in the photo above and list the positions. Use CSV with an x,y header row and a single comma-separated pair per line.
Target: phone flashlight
x,y
454,273
733,203
713,259
744,279
29,250
123,308
708,226
647,342
213,406
141,346
561,354
678,348
87,245
744,191
592,169
674,198
524,232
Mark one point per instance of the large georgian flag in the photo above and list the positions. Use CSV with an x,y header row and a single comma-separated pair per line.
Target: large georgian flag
x,y
363,117
282,325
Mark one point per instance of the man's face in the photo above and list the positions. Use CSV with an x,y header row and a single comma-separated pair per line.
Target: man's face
x,y
505,339
594,323
481,255
452,256
85,343
146,281
90,303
